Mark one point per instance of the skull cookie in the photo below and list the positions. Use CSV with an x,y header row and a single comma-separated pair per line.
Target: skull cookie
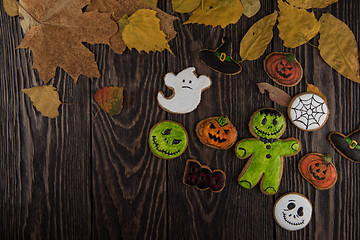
x,y
168,139
292,211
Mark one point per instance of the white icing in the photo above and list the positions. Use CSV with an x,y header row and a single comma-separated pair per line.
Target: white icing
x,y
288,213
308,111
187,89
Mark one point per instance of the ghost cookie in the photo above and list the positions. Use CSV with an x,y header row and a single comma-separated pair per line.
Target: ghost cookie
x,y
348,146
266,151
308,111
187,89
216,132
168,139
292,211
202,177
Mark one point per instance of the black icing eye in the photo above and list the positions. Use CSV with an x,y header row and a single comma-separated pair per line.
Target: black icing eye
x,y
190,81
291,206
300,211
274,122
212,126
166,132
226,132
175,141
263,122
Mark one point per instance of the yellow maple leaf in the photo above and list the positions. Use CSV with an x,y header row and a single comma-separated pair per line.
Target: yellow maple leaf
x,y
338,47
311,3
11,7
143,32
217,13
251,7
45,99
296,26
185,6
257,38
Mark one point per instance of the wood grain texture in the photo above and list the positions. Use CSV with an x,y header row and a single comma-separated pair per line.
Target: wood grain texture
x,y
86,175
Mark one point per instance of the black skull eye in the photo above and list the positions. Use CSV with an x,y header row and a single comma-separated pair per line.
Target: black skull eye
x,y
274,122
291,206
166,132
212,126
175,141
190,81
263,122
183,80
300,211
226,132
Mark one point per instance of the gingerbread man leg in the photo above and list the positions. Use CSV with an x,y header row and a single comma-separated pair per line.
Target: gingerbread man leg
x,y
271,180
250,176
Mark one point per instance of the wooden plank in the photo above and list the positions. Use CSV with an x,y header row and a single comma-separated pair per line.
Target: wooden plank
x,y
129,183
235,213
45,162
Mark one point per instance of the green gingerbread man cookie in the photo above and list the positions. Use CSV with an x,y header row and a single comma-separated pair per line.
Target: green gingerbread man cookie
x,y
266,151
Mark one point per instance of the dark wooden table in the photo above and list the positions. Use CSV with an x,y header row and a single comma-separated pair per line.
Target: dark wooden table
x,y
94,177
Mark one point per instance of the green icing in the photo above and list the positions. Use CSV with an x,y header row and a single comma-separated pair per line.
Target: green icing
x,y
266,156
268,125
227,58
352,144
168,139
222,121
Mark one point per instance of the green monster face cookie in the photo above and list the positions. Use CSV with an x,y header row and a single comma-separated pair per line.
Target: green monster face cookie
x,y
168,139
268,123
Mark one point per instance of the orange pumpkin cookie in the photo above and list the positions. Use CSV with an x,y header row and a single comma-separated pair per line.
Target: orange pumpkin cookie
x,y
319,170
217,132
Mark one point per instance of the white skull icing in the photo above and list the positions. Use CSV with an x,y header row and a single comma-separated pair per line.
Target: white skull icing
x,y
308,111
292,211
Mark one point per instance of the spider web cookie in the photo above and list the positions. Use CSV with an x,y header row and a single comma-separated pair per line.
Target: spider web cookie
x,y
308,111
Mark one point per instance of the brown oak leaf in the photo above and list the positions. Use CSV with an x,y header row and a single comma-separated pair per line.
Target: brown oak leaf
x,y
57,39
119,8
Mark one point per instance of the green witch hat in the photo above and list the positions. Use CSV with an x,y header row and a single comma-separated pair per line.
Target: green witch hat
x,y
220,59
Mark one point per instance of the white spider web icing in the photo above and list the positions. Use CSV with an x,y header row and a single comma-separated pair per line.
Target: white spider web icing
x,y
309,111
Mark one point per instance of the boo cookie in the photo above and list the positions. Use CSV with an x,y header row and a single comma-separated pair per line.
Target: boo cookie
x,y
266,151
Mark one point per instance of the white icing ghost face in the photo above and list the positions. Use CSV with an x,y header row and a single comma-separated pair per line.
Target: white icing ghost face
x,y
308,111
292,211
187,89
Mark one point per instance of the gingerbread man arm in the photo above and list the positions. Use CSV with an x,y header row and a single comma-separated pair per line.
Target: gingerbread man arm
x,y
290,146
246,147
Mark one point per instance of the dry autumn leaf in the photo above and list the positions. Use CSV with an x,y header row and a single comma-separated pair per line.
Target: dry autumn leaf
x,y
311,3
251,7
338,47
257,38
57,40
26,21
313,89
185,6
296,26
143,32
217,13
110,99
152,3
119,8
11,7
275,94
45,99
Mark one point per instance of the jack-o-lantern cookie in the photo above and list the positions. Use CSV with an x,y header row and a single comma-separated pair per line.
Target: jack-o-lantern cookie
x,y
187,89
348,146
220,59
308,111
266,151
168,139
202,177
217,132
283,68
292,211
319,170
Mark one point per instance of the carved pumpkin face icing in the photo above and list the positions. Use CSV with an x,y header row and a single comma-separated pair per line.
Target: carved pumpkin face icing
x,y
267,123
168,139
283,68
216,132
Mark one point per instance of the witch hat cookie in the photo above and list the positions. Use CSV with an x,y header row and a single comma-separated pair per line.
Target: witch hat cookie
x,y
348,146
220,59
